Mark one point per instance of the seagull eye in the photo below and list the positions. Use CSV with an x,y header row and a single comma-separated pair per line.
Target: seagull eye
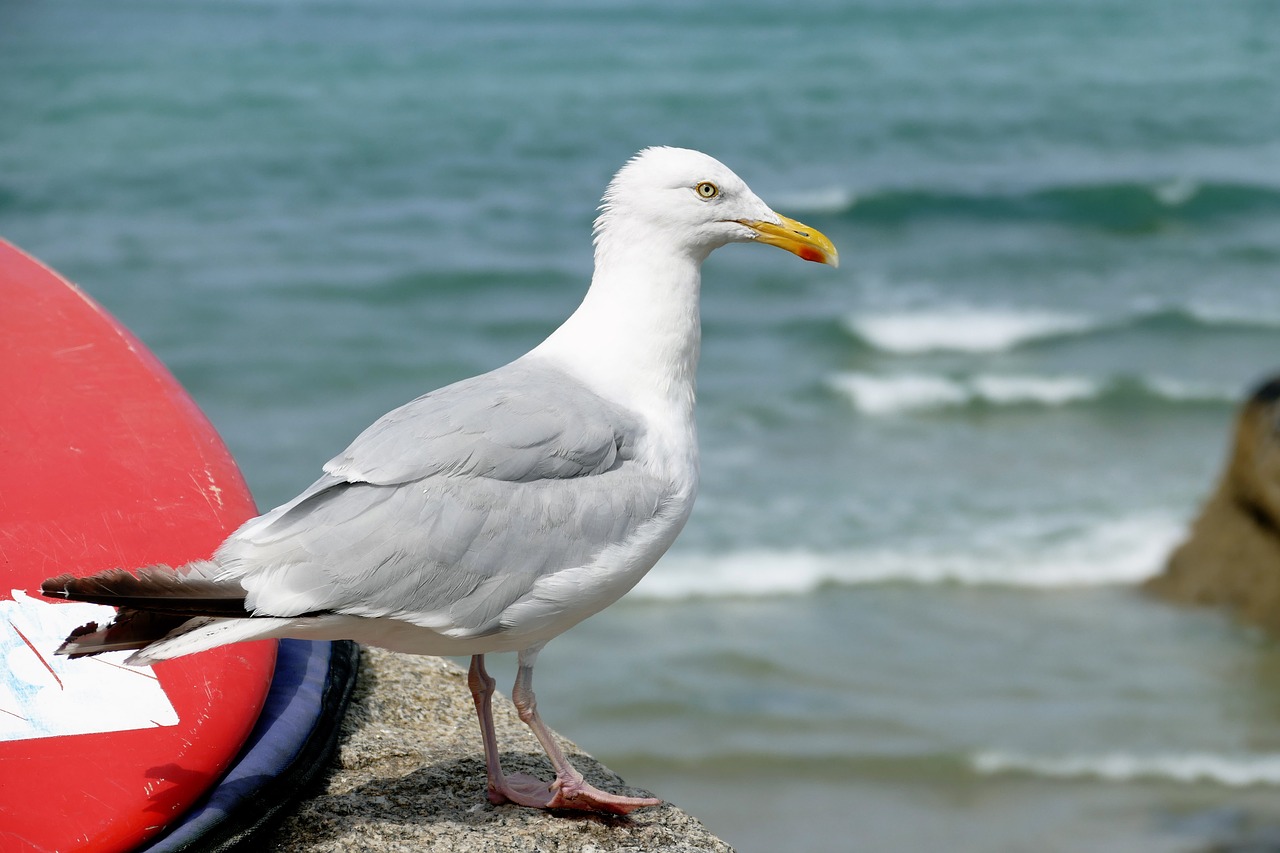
x,y
706,189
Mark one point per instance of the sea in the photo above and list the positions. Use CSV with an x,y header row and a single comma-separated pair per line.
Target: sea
x,y
906,614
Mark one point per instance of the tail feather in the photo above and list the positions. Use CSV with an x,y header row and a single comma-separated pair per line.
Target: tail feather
x,y
202,634
130,630
159,589
155,604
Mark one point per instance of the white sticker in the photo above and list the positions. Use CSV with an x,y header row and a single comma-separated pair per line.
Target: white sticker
x,y
47,695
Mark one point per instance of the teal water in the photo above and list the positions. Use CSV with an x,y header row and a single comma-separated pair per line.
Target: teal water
x,y
903,615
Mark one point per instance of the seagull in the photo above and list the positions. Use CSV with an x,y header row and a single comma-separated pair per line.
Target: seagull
x,y
495,513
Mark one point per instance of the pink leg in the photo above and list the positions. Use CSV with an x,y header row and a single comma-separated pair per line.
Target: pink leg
x,y
482,686
569,790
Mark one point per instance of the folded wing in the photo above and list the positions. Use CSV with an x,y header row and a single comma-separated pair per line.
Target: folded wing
x,y
446,511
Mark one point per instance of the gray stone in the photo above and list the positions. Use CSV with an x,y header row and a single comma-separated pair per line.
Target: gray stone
x,y
409,776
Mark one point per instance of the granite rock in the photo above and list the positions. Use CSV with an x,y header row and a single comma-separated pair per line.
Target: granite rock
x,y
409,776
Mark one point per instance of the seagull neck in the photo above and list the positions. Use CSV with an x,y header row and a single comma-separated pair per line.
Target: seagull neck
x,y
636,336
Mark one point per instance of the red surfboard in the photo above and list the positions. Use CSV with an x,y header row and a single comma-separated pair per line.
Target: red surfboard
x,y
104,462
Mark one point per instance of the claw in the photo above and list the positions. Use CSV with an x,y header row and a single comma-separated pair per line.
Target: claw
x,y
571,794
569,791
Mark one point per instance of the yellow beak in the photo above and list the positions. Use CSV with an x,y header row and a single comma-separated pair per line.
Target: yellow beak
x,y
797,238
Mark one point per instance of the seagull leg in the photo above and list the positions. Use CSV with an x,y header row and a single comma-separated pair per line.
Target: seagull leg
x,y
482,686
569,790
519,788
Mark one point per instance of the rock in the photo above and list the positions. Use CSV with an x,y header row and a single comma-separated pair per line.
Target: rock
x,y
410,776
1232,555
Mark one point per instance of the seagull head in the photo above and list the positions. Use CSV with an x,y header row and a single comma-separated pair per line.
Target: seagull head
x,y
697,204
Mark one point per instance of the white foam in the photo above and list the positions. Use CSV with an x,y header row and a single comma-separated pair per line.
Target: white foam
x,y
1195,392
1121,551
961,329
827,200
904,392
1176,192
1216,314
1048,391
909,392
1236,771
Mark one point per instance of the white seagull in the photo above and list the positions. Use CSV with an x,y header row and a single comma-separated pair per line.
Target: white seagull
x,y
500,511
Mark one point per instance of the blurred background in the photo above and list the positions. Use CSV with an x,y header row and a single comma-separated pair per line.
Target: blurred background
x,y
904,614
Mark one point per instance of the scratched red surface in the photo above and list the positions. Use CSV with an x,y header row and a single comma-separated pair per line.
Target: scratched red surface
x,y
104,462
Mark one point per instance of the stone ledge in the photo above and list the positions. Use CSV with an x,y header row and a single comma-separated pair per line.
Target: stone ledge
x,y
409,776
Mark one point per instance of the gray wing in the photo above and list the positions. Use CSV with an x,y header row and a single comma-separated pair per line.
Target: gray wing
x,y
447,510
520,423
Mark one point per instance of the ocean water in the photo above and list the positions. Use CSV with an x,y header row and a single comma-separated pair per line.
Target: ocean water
x,y
904,615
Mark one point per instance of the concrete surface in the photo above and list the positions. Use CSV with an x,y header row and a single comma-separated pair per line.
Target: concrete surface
x,y
409,776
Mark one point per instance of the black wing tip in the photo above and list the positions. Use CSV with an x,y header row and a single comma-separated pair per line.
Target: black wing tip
x,y
130,630
57,586
71,646
158,588
81,588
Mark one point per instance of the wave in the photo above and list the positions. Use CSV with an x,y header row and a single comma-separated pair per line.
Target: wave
x,y
835,766
901,393
1128,206
979,330
961,329
828,200
1235,771
1188,768
1117,552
